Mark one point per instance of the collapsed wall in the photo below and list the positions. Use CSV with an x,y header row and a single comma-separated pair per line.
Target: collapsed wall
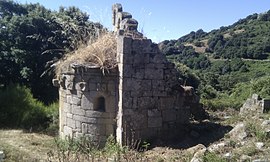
x,y
141,98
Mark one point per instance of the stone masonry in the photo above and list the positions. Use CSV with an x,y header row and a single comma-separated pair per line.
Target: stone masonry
x,y
140,99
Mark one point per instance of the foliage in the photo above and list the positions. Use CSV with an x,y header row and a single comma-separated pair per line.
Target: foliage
x,y
85,149
18,108
32,38
254,129
212,157
187,76
236,97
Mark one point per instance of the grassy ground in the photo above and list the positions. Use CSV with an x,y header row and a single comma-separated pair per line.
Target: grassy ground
x,y
20,146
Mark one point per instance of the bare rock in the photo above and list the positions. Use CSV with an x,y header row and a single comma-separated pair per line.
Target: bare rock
x,y
216,147
238,132
245,158
228,155
259,145
2,156
197,151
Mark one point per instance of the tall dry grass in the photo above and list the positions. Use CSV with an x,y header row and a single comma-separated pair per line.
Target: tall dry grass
x,y
101,53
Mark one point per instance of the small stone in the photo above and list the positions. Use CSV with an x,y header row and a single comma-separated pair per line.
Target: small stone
x,y
259,145
265,123
260,160
228,155
216,147
245,158
2,155
195,149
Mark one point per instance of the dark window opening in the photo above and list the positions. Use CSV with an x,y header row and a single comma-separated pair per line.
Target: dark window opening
x,y
100,104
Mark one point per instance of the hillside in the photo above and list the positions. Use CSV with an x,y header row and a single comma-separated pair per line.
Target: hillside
x,y
226,60
247,38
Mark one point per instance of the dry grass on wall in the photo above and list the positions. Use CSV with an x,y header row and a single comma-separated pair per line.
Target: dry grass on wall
x,y
101,53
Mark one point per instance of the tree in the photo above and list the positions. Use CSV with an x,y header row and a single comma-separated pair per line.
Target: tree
x,y
33,37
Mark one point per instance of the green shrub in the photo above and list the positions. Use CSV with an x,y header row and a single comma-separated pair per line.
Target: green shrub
x,y
212,157
18,109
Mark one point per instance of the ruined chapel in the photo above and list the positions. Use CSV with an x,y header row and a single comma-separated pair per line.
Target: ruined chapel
x,y
139,99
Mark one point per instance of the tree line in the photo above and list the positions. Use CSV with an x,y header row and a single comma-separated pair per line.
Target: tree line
x,y
33,38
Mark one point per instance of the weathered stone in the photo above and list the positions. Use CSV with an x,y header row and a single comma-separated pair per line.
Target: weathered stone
x,y
154,122
2,156
197,152
259,145
169,115
84,119
67,131
75,101
153,74
81,86
216,147
76,110
238,132
154,113
71,123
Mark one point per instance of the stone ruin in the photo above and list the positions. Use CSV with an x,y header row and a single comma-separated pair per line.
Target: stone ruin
x,y
141,99
255,105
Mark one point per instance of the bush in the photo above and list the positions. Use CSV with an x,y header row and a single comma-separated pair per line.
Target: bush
x,y
18,109
212,157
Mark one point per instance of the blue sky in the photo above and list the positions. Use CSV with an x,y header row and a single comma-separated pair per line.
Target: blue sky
x,y
161,20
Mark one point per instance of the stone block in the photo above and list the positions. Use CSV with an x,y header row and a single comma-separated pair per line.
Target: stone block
x,y
158,58
86,102
92,86
94,129
128,59
78,125
154,113
146,85
77,110
69,115
71,123
101,87
94,114
153,74
154,122
158,93
139,74
69,99
169,115
127,70
147,93
158,85
66,107
105,121
84,119
81,86
75,100
167,103
67,131
110,129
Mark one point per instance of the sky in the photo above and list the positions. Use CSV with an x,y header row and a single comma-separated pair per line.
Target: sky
x,y
164,20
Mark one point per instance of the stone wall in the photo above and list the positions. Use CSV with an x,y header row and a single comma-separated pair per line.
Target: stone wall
x,y
255,105
88,102
151,99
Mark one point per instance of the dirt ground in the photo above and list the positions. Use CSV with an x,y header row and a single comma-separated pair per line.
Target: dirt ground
x,y
20,146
